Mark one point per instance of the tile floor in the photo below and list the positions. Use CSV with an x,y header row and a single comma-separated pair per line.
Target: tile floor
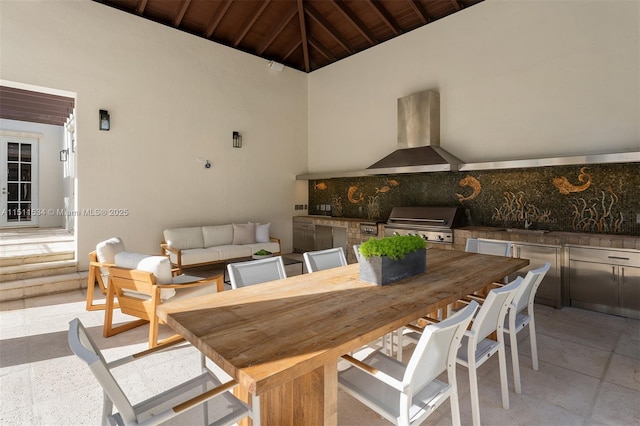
x,y
589,370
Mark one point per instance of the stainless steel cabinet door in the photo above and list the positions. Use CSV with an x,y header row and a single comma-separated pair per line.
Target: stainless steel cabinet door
x,y
549,292
593,283
629,279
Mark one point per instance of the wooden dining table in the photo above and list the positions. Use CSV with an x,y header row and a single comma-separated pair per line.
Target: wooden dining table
x,y
281,340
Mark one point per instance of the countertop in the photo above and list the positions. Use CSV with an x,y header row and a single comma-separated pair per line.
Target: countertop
x,y
517,235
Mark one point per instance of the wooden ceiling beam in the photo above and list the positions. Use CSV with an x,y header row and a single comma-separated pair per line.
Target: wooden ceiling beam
x,y
178,20
292,49
330,29
34,118
456,5
142,4
419,10
385,16
278,29
303,35
215,21
320,48
13,94
355,21
252,20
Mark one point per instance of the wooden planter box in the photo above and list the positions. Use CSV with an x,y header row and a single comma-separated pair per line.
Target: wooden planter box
x,y
383,271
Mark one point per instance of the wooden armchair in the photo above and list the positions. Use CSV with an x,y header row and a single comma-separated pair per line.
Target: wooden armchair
x,y
138,295
96,276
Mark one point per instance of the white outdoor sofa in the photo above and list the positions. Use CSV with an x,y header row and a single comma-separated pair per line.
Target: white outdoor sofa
x,y
203,245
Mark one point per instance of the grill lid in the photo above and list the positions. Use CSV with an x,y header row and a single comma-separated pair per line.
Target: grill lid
x,y
426,217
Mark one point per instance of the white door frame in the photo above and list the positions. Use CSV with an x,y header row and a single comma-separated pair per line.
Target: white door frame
x,y
14,213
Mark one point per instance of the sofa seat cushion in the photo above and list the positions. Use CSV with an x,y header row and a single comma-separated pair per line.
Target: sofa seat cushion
x,y
272,247
196,256
184,238
232,251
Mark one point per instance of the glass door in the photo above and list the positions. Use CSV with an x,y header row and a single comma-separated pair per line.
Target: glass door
x,y
18,174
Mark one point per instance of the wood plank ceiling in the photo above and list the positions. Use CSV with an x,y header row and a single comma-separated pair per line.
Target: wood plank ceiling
x,y
301,34
34,107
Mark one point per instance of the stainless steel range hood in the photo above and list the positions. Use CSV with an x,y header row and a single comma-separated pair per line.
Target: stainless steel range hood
x,y
418,139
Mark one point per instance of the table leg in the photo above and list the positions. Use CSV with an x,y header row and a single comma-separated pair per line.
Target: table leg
x,y
311,399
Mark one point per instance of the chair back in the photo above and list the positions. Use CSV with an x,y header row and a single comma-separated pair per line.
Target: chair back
x,y
492,312
356,249
525,296
496,248
84,348
136,291
258,271
437,348
324,259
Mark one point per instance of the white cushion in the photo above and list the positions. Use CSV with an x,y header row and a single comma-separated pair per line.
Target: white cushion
x,y
262,232
195,256
107,250
217,235
159,266
244,233
232,251
184,238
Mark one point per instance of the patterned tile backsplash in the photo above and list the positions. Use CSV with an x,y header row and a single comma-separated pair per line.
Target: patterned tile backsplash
x,y
595,198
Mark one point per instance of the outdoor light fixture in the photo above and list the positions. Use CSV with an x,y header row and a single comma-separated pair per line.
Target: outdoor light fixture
x,y
105,122
64,155
237,140
276,66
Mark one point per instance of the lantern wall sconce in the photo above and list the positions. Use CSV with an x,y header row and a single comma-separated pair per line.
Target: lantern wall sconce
x,y
64,155
237,140
105,121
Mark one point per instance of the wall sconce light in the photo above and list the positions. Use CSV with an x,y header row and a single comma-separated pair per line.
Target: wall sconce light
x,y
237,140
105,122
64,155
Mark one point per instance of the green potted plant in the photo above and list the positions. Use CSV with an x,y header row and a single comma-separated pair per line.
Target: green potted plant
x,y
390,259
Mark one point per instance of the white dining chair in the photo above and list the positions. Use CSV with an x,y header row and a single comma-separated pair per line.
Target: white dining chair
x,y
477,347
406,394
258,271
324,259
356,249
496,248
520,315
200,391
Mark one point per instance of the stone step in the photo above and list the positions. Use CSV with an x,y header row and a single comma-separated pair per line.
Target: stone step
x,y
38,270
53,253
32,287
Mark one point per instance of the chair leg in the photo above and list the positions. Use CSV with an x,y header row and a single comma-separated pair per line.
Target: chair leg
x,y
473,388
513,341
534,344
502,360
107,408
455,405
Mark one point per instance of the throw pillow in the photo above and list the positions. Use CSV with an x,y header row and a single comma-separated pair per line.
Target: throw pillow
x,y
244,233
262,232
106,250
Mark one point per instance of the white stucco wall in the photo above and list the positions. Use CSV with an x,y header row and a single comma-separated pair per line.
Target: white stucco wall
x,y
517,79
173,98
50,170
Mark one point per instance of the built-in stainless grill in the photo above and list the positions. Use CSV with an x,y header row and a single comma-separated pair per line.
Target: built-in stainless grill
x,y
434,224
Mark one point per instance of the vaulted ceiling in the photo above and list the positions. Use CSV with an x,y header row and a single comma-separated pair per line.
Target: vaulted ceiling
x,y
301,34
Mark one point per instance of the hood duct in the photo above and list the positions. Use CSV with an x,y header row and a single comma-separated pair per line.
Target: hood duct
x,y
418,139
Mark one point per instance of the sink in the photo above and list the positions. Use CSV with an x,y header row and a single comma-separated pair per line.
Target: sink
x,y
527,231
